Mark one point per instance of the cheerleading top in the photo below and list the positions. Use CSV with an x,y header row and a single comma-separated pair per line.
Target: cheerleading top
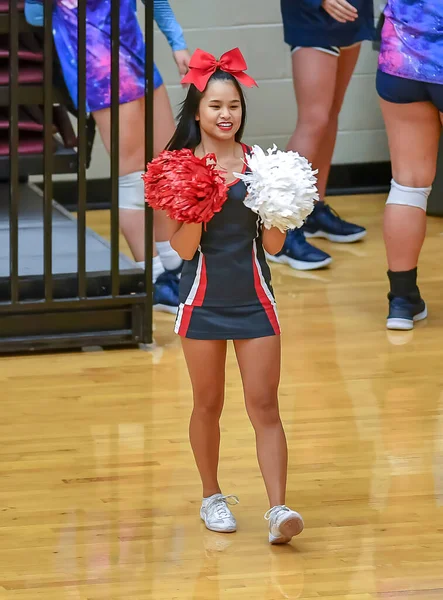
x,y
307,24
412,40
229,268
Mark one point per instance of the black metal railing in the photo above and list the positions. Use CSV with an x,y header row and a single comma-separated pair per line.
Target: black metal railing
x,y
115,126
48,151
149,136
81,306
13,151
82,145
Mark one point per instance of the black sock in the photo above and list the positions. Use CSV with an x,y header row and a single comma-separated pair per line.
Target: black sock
x,y
404,283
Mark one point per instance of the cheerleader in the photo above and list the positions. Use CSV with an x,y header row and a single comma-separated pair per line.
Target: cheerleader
x,y
410,86
325,38
166,263
226,294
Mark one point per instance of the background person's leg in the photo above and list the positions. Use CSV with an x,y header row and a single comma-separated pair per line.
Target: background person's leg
x,y
324,222
413,133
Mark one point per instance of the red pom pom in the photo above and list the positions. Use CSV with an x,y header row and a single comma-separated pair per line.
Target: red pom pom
x,y
188,188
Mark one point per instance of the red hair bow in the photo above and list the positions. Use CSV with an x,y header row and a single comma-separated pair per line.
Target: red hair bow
x,y
203,65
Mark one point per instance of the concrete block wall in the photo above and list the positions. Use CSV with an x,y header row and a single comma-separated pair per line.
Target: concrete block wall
x,y
255,26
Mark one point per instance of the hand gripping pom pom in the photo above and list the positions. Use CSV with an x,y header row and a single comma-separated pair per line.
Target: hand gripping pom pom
x,y
187,188
281,187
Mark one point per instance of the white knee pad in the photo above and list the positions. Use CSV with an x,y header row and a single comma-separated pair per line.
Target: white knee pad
x,y
131,191
408,196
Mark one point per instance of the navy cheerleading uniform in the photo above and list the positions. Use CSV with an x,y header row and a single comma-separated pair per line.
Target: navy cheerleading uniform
x,y
225,290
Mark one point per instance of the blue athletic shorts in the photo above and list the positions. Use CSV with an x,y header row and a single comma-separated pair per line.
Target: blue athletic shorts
x,y
405,91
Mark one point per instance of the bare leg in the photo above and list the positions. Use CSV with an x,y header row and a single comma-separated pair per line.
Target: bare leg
x,y
132,159
413,133
314,75
259,362
346,65
206,361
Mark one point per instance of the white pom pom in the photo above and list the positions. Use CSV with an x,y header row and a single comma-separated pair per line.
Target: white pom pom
x,y
281,187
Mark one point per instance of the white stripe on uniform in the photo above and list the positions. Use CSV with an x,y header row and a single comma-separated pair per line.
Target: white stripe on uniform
x,y
263,282
191,296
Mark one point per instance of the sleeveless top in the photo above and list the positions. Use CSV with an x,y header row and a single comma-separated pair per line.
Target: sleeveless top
x,y
229,267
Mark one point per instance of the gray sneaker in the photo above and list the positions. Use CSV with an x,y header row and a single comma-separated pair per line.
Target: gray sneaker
x,y
284,524
216,514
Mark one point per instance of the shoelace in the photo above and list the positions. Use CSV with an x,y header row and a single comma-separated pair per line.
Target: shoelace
x,y
332,212
272,513
219,505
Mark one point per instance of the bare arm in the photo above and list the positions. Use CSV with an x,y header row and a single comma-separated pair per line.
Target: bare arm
x,y
340,10
273,240
185,238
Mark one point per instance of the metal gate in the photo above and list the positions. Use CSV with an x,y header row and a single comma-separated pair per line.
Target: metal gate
x,y
54,290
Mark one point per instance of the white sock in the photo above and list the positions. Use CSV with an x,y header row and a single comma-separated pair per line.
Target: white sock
x,y
157,268
169,257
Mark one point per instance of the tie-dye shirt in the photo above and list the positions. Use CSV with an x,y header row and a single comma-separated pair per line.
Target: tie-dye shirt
x,y
98,48
412,40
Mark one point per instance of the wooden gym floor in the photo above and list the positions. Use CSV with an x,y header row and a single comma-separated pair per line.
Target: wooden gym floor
x,y
99,496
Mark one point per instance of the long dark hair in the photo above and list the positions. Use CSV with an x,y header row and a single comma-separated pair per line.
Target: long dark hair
x,y
187,134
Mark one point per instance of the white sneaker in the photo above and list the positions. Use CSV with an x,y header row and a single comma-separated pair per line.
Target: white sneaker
x,y
216,514
284,524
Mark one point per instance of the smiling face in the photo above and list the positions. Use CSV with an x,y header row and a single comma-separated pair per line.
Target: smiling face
x,y
220,111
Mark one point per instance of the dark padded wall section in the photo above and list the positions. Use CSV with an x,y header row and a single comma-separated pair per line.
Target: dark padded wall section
x,y
98,253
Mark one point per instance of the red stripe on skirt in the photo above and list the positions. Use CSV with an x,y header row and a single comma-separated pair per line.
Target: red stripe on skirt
x,y
264,300
198,301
